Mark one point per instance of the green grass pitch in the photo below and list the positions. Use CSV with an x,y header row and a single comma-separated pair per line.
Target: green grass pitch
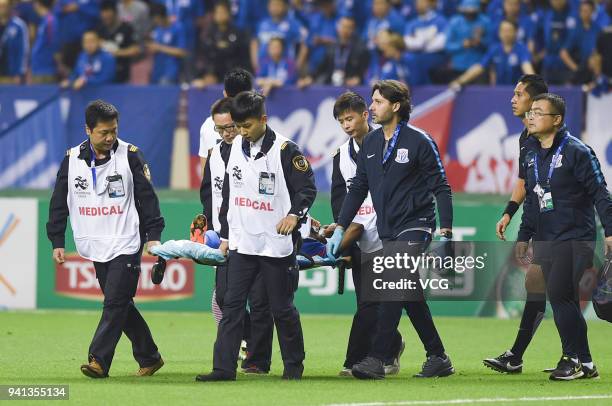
x,y
47,347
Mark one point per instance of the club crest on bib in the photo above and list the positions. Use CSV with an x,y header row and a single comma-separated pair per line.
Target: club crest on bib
x,y
80,183
237,176
218,183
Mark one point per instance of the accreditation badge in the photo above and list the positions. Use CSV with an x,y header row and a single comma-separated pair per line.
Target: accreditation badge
x,y
266,183
545,199
115,186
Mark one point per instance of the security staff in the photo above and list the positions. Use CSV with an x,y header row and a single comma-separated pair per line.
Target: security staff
x,y
258,334
267,190
104,185
563,182
401,168
511,361
351,112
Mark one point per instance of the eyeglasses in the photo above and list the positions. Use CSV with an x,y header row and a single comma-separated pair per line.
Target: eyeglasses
x,y
229,128
538,114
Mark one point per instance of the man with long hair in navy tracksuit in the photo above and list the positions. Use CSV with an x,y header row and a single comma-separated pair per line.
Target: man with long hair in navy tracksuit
x,y
400,166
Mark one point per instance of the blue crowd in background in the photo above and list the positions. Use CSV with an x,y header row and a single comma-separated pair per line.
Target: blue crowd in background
x,y
337,42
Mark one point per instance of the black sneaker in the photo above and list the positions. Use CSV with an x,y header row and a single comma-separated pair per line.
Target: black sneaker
x,y
567,370
436,366
215,376
505,363
589,373
157,272
293,373
369,368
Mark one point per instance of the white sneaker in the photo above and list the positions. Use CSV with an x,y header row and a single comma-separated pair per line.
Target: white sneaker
x,y
345,372
394,368
242,355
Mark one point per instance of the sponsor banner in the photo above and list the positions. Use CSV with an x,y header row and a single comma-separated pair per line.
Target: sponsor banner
x,y
76,278
483,147
33,116
33,147
598,132
17,101
475,130
73,285
306,117
18,247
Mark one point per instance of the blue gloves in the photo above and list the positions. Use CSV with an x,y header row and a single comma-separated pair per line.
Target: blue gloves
x,y
333,244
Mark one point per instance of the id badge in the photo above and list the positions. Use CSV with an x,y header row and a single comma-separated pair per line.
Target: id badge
x,y
115,186
546,200
266,183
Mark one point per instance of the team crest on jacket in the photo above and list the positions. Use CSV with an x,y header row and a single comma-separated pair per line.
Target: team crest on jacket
x,y
401,157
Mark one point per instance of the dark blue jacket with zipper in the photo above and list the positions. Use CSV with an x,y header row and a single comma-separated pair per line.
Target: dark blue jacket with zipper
x,y
577,186
403,189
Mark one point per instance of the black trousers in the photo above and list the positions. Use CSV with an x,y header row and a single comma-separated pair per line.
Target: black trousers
x,y
119,279
366,316
390,312
280,280
563,265
258,326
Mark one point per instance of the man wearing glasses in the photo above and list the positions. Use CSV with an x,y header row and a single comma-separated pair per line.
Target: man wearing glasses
x,y
563,181
258,324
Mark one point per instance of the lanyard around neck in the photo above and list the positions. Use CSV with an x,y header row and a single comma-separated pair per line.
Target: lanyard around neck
x,y
553,163
93,163
393,141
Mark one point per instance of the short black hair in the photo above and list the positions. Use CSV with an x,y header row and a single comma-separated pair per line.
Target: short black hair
x,y
349,101
534,84
48,4
237,80
279,39
556,102
223,3
512,23
221,106
589,2
158,10
99,110
108,5
248,105
396,92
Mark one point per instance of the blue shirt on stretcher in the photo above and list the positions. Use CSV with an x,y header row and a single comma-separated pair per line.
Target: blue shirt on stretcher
x,y
203,247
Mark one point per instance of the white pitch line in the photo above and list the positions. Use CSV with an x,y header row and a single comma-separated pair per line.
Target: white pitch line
x,y
477,400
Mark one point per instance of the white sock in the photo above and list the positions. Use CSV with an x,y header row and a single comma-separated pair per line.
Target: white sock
x,y
588,364
575,360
